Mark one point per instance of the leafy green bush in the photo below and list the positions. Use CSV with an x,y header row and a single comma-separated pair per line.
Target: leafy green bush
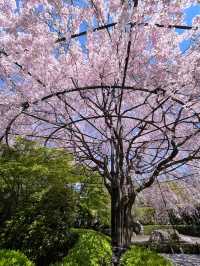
x,y
92,249
13,258
137,256
27,171
37,205
145,215
94,203
42,231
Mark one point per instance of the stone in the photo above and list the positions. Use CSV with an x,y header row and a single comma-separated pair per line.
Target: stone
x,y
164,236
164,241
186,239
133,236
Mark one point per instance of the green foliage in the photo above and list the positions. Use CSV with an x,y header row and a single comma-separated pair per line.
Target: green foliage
x,y
94,203
145,215
27,170
137,256
191,230
39,202
40,231
94,249
14,258
179,190
42,207
91,249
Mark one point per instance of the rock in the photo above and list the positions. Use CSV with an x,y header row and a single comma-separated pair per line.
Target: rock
x,y
133,236
164,240
158,236
186,239
164,236
183,259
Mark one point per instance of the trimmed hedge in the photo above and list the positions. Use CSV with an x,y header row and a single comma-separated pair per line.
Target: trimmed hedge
x,y
14,258
91,249
137,256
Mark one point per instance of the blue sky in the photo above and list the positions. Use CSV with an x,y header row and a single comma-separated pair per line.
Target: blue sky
x,y
190,13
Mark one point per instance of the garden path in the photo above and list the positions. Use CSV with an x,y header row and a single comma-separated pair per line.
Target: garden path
x,y
184,259
177,259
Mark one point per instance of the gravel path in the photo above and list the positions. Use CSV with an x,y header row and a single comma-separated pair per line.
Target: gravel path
x,y
177,259
184,259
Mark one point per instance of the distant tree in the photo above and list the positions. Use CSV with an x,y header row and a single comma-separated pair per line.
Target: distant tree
x,y
28,169
172,200
38,206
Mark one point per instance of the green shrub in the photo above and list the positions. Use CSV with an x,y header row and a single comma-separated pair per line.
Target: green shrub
x,y
41,231
94,249
91,249
137,256
145,215
13,258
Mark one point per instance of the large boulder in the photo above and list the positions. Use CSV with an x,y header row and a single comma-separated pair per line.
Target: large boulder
x,y
164,240
164,236
170,241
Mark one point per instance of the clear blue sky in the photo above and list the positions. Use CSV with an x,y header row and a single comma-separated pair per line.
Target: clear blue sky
x,y
190,13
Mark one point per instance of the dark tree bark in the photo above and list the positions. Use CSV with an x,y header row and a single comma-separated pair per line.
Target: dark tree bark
x,y
121,222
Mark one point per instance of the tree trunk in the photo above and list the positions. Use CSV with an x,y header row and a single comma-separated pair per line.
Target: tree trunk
x,y
121,223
